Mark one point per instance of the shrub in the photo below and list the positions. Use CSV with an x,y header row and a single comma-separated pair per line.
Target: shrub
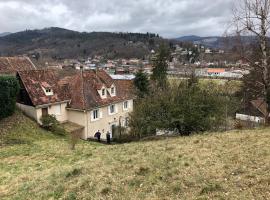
x,y
74,138
121,135
49,122
9,88
238,125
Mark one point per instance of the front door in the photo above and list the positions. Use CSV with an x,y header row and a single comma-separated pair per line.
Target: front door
x,y
44,112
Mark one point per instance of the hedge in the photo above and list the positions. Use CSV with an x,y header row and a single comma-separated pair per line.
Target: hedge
x,y
9,89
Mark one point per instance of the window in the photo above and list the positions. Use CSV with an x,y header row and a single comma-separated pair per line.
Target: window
x,y
95,114
112,108
48,91
112,90
103,92
125,105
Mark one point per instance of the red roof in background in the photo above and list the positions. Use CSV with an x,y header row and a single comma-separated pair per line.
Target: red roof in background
x,y
11,65
81,88
215,70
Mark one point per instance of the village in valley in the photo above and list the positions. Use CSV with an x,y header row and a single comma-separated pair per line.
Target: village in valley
x,y
135,115
96,94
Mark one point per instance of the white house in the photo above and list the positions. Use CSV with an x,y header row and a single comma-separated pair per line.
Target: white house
x,y
90,99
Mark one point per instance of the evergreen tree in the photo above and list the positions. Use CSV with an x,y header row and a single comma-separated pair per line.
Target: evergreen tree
x,y
142,83
160,66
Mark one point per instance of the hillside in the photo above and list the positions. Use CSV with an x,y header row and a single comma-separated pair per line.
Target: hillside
x,y
37,165
4,34
62,43
217,42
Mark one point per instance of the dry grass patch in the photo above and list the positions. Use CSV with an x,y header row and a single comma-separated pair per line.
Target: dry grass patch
x,y
233,165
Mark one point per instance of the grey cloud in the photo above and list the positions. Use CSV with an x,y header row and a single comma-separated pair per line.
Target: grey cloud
x,y
169,18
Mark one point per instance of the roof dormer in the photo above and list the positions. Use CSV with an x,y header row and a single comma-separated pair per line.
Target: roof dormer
x,y
47,88
112,90
102,92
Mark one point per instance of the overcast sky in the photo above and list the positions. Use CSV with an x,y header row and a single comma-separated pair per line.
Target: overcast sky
x,y
169,18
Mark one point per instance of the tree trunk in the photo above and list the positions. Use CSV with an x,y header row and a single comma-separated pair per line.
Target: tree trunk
x,y
263,44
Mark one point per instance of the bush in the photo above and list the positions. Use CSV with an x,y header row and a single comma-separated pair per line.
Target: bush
x,y
49,122
9,88
121,135
238,125
185,107
74,139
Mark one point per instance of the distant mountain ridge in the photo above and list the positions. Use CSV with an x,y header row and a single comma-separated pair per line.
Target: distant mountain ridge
x,y
216,42
60,43
212,42
4,34
189,38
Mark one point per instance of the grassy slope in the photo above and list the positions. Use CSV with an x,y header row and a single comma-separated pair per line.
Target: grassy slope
x,y
234,165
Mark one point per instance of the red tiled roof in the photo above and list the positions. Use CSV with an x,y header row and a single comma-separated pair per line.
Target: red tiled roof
x,y
88,82
215,70
34,80
81,88
126,88
11,65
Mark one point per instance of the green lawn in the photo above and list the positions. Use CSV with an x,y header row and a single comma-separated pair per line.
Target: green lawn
x,y
34,164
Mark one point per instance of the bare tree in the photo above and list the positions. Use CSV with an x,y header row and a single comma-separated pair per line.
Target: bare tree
x,y
253,16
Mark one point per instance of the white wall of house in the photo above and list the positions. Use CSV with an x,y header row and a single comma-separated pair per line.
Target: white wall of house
x,y
106,119
244,117
59,110
78,117
30,111
103,123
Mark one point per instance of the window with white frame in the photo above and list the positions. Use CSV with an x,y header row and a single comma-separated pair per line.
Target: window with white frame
x,y
125,105
112,109
103,92
112,90
95,114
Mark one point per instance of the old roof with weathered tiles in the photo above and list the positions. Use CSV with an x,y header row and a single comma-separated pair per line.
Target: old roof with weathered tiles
x,y
126,88
11,65
80,87
87,85
260,105
35,83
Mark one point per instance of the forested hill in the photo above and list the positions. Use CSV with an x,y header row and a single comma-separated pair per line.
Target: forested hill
x,y
62,43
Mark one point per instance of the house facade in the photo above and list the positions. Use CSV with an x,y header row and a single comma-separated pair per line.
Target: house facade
x,y
90,99
255,111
